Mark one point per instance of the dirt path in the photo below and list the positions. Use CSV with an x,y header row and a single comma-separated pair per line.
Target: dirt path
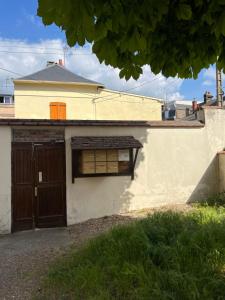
x,y
25,256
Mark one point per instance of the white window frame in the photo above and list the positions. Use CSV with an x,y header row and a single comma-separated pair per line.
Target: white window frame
x,y
10,100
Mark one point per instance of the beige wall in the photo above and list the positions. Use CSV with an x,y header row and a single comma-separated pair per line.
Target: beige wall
x,y
83,102
175,166
5,180
6,110
167,171
221,168
115,106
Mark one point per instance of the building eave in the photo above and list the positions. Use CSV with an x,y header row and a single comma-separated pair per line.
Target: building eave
x,y
134,95
39,82
104,123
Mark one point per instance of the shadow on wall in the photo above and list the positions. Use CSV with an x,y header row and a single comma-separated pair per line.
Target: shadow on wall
x,y
101,196
124,202
119,197
208,184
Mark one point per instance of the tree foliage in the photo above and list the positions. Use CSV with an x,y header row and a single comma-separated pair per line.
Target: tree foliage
x,y
175,37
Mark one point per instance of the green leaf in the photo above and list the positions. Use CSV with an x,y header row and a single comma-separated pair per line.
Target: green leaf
x,y
173,37
184,11
220,26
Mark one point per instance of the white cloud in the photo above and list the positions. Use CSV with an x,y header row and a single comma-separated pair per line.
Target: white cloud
x,y
209,76
210,73
24,58
207,82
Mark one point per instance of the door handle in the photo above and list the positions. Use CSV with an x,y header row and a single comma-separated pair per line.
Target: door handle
x,y
35,191
40,176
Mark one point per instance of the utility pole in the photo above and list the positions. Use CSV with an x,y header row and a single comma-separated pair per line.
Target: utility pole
x,y
65,49
219,91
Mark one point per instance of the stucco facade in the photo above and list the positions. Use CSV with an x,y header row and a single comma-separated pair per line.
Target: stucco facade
x,y
221,167
83,102
5,179
7,111
172,167
175,165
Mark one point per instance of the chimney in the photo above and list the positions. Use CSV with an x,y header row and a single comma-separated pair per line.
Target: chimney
x,y
61,62
194,105
208,98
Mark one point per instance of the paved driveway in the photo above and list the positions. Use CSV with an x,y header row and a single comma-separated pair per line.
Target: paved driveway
x,y
25,256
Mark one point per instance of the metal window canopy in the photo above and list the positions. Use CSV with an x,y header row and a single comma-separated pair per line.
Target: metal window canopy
x,y
106,142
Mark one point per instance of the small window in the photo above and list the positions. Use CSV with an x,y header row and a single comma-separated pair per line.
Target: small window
x,y
57,111
1,99
102,162
8,100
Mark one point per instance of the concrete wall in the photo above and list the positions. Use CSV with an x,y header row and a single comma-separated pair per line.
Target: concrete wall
x,y
182,113
170,169
5,180
83,102
175,166
221,167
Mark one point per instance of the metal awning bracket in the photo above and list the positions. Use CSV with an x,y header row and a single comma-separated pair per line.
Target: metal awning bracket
x,y
134,163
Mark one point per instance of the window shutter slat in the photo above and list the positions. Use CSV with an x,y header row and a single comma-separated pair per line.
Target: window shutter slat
x,y
57,111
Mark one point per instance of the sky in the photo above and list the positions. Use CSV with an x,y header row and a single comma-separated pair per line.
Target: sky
x,y
26,45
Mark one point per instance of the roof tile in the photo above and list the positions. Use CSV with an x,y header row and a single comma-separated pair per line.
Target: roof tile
x,y
57,73
104,142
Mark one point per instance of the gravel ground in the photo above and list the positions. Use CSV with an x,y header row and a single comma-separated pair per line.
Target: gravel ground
x,y
25,256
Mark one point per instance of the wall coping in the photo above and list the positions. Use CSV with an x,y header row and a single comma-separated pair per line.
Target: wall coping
x,y
107,123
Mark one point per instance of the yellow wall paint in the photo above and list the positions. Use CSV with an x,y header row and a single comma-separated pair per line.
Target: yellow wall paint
x,y
83,102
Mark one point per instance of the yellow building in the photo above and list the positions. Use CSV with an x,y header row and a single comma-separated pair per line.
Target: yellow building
x,y
57,93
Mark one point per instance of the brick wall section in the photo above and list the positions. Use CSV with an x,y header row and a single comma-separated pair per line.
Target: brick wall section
x,y
37,135
7,111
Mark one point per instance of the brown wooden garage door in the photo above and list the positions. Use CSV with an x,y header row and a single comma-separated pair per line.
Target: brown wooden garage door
x,y
38,185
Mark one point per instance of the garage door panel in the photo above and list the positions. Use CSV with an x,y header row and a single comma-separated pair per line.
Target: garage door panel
x,y
22,191
38,179
23,169
23,204
51,206
51,163
50,201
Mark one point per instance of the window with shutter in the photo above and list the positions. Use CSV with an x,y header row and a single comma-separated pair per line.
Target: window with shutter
x,y
57,111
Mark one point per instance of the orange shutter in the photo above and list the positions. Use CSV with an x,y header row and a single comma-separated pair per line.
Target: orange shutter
x,y
57,111
62,111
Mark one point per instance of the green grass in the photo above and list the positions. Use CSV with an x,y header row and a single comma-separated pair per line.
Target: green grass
x,y
216,200
165,256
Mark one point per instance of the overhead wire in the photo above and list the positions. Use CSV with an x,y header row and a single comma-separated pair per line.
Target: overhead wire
x,y
131,89
97,98
105,98
10,71
126,90
43,53
31,47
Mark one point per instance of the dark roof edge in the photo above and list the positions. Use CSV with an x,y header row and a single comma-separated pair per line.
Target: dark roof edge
x,y
151,124
79,79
